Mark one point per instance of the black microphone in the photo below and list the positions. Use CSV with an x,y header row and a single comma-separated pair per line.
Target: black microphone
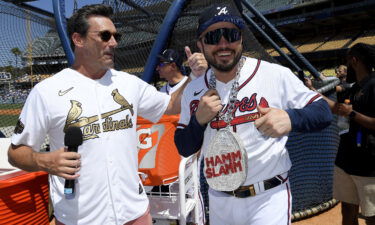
x,y
73,138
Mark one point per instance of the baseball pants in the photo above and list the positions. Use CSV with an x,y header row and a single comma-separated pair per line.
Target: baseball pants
x,y
271,207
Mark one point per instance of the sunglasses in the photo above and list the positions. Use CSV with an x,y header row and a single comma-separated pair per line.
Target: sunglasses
x,y
161,64
106,35
230,34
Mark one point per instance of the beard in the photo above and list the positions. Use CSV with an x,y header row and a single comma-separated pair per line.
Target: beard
x,y
223,67
351,77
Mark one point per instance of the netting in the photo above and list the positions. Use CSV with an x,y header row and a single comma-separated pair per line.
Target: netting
x,y
42,56
312,154
311,177
25,38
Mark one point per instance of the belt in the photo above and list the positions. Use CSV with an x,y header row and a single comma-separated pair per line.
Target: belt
x,y
254,189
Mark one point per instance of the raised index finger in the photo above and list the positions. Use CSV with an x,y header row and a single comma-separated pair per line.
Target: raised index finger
x,y
188,52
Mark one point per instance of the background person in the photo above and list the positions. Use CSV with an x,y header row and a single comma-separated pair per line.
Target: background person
x,y
105,104
354,172
171,68
263,102
343,87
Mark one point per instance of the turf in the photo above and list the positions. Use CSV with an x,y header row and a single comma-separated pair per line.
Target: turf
x,y
9,114
11,106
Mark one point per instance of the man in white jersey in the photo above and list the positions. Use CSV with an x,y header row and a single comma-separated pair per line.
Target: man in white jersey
x,y
170,68
256,104
104,104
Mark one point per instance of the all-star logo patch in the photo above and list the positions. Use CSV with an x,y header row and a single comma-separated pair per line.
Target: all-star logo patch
x,y
19,127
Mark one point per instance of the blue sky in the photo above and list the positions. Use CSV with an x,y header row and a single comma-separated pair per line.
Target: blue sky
x,y
69,4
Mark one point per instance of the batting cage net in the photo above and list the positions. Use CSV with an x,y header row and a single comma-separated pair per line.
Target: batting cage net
x,y
31,51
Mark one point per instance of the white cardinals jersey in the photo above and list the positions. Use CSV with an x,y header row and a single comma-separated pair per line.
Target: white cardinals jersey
x,y
170,89
261,84
109,190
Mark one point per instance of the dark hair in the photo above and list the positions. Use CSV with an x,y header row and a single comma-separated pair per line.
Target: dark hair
x,y
77,23
365,53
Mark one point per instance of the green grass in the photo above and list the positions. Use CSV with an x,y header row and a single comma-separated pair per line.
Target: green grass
x,y
9,120
11,106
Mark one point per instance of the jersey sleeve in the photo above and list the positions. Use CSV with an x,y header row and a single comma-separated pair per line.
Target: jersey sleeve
x,y
295,93
185,110
152,103
164,89
33,123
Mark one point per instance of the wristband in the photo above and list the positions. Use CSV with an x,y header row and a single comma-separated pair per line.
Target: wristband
x,y
352,114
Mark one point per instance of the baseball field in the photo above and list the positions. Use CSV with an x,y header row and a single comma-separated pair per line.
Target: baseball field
x,y
9,114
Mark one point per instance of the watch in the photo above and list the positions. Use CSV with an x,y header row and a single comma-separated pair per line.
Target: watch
x,y
352,114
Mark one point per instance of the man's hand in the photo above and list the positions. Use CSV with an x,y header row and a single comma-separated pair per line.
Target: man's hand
x,y
273,122
60,162
344,109
197,62
208,107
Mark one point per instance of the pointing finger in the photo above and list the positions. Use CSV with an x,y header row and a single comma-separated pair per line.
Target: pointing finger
x,y
188,52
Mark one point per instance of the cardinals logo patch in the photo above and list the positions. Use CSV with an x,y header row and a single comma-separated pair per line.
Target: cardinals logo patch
x,y
90,125
19,127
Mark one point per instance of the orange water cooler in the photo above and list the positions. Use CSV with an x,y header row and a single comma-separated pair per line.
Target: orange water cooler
x,y
158,157
23,197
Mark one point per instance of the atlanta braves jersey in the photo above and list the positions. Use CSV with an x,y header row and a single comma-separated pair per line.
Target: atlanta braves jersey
x,y
109,190
167,88
261,84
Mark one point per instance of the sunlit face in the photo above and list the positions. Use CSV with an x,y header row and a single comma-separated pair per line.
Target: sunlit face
x,y
341,72
223,56
98,52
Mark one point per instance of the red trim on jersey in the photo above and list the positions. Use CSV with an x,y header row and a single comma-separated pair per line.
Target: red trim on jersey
x,y
313,98
244,83
289,211
245,118
181,125
282,179
206,79
251,76
218,124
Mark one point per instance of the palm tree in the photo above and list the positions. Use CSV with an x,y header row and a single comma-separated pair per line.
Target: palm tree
x,y
16,52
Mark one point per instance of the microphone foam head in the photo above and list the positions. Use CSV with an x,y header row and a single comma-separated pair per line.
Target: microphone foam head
x,y
73,136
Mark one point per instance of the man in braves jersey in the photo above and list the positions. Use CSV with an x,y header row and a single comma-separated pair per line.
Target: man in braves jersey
x,y
104,104
269,102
